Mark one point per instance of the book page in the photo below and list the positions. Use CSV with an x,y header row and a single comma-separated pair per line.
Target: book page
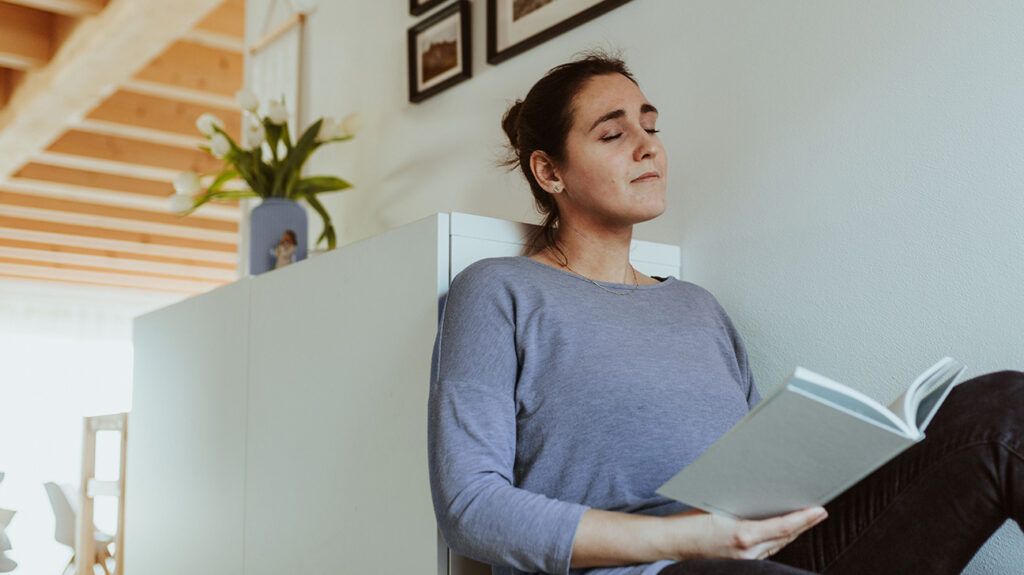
x,y
931,402
848,399
935,378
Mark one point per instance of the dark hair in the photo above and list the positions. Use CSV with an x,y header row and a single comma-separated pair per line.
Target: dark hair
x,y
542,121
291,235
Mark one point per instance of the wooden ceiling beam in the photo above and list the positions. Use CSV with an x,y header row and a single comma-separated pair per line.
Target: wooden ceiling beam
x,y
178,93
76,162
25,270
99,181
219,270
6,85
112,47
59,237
222,211
74,8
58,258
214,40
162,114
114,224
128,131
26,37
133,152
228,19
83,231
29,281
196,67
138,217
94,180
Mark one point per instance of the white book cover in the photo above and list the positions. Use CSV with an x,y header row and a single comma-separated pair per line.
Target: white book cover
x,y
806,443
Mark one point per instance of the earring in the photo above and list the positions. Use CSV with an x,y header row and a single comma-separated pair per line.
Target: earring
x,y
557,189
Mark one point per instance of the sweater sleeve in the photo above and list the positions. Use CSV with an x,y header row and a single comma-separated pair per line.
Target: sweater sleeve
x,y
742,361
471,437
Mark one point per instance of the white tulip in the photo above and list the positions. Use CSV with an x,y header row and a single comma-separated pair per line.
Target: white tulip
x,y
329,129
247,100
187,183
351,124
179,203
219,145
254,134
206,122
276,112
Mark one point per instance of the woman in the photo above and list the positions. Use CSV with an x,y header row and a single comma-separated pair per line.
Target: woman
x,y
284,251
568,386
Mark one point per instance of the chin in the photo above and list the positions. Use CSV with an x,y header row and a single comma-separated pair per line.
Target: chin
x,y
650,212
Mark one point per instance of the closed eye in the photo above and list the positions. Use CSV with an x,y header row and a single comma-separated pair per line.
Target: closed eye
x,y
615,136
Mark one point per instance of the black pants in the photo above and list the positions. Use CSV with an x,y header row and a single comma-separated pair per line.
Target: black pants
x,y
926,511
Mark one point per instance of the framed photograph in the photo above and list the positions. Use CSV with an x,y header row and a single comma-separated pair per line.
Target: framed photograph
x,y
439,52
420,7
515,26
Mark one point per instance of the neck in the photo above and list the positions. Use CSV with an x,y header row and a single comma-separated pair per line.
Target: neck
x,y
600,254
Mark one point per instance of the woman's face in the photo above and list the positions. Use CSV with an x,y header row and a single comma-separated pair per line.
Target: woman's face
x,y
614,169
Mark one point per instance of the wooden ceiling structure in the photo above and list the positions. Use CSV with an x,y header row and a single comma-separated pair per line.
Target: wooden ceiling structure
x,y
98,102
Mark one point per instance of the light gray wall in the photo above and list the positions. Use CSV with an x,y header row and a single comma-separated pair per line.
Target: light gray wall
x,y
844,176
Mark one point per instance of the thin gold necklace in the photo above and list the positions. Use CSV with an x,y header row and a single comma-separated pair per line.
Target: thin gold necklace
x,y
636,283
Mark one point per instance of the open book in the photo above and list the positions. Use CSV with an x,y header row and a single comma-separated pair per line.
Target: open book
x,y
806,443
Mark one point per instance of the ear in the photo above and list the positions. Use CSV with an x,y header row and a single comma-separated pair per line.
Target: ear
x,y
545,172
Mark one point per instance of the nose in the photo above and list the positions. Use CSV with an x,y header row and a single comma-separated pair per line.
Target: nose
x,y
647,148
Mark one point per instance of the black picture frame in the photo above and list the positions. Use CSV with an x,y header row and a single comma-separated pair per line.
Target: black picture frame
x,y
419,7
418,93
496,54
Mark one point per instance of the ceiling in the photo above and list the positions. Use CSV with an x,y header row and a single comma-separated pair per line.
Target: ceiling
x,y
98,102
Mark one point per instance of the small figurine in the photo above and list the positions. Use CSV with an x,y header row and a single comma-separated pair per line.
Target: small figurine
x,y
285,250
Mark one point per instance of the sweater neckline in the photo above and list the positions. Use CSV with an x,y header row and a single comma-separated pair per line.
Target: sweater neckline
x,y
667,280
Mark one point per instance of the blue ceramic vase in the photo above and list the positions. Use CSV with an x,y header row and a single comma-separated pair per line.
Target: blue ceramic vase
x,y
267,223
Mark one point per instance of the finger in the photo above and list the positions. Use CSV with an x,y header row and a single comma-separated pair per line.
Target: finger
x,y
785,525
803,519
776,545
765,551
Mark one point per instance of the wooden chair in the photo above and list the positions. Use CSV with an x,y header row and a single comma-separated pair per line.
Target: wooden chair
x,y
86,548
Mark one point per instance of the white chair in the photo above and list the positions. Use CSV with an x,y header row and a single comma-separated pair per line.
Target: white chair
x,y
6,563
65,513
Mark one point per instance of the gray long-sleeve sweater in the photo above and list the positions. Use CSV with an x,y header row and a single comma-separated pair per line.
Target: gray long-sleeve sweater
x,y
549,396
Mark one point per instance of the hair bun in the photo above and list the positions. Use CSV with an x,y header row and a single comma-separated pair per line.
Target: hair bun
x,y
510,123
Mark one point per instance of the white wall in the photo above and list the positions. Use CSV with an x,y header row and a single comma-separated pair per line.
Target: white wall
x,y
844,176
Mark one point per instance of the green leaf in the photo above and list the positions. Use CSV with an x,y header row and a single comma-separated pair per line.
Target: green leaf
x,y
320,184
219,195
273,132
286,136
248,172
224,177
296,158
234,147
328,232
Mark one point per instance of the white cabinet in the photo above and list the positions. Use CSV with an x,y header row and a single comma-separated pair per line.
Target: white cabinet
x,y
279,423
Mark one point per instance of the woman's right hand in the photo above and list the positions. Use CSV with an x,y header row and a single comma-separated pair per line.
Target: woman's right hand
x,y
696,534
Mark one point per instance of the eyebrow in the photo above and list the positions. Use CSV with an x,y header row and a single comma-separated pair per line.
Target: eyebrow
x,y
644,109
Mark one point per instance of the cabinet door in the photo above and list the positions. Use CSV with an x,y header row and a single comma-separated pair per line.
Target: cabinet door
x,y
341,347
185,467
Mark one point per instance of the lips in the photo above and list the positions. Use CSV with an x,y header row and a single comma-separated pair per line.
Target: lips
x,y
647,177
